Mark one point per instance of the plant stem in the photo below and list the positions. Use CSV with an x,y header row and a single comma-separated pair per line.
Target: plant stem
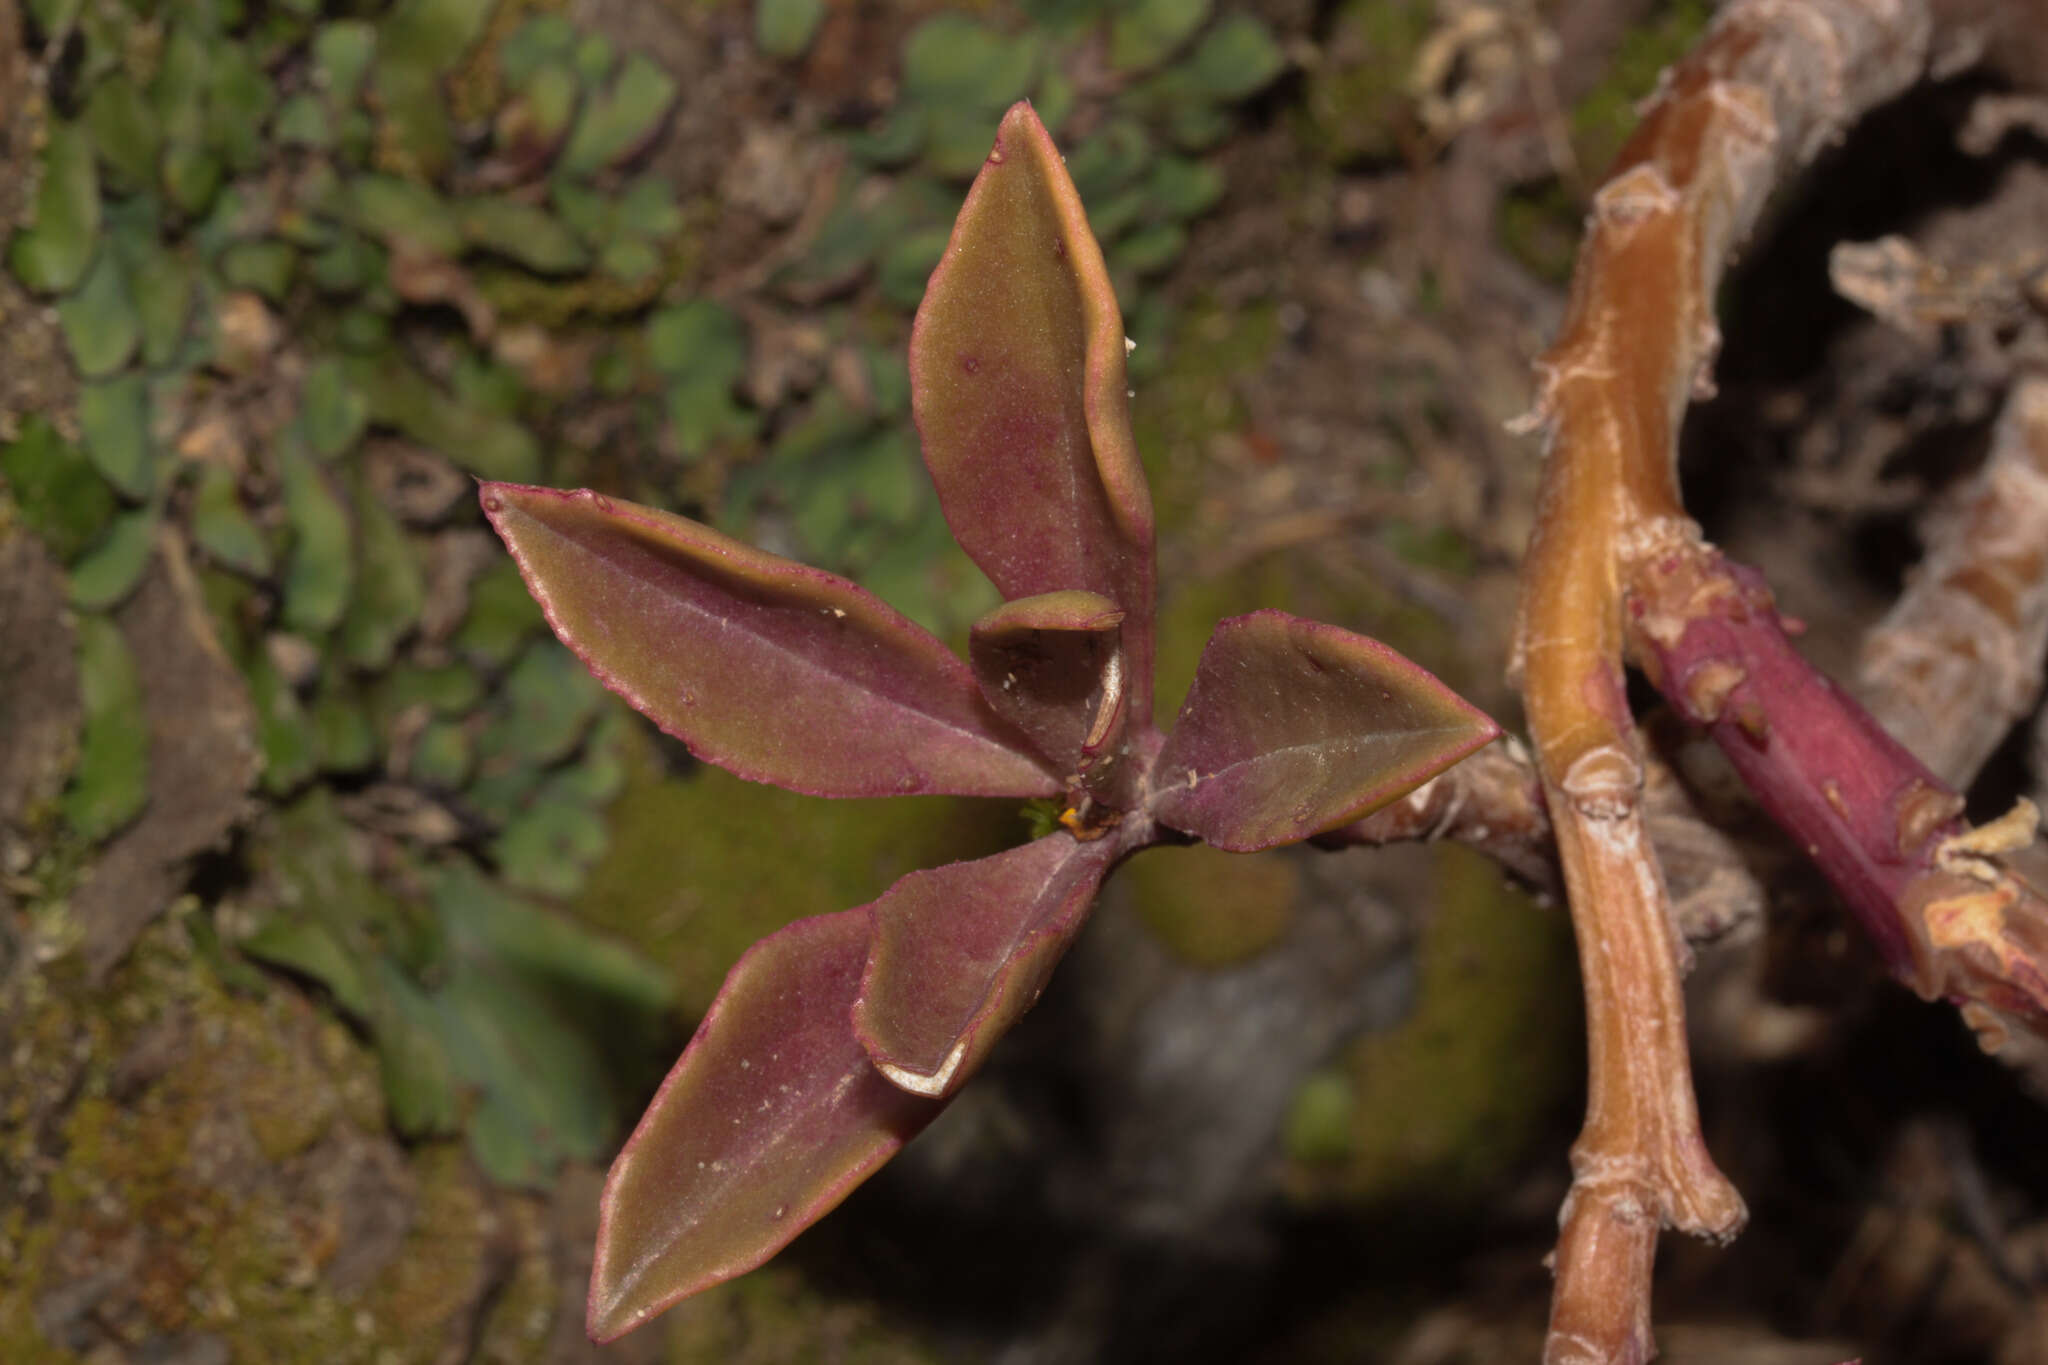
x,y
1769,85
1950,918
1493,802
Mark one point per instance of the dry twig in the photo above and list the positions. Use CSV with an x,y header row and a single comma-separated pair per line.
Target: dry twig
x,y
1957,662
1493,802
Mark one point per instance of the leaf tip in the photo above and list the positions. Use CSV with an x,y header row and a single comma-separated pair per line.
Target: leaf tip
x,y
498,499
619,1300
609,1315
1018,115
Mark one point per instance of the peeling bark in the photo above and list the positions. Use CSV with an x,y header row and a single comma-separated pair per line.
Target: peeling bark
x,y
202,760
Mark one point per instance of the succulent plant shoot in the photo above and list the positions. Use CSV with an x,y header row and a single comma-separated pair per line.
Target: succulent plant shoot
x,y
835,1040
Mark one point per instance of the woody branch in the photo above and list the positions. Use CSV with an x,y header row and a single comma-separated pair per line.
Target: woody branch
x,y
1615,567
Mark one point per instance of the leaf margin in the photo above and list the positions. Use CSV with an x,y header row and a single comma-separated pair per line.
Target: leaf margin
x,y
609,1311
1014,769
1105,391
1176,804
1065,900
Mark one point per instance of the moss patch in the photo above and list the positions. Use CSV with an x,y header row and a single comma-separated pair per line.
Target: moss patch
x,y
1301,581
1193,398
443,1255
1440,1108
1210,908
772,1316
701,866
1358,96
1540,227
205,1175
523,1317
1603,119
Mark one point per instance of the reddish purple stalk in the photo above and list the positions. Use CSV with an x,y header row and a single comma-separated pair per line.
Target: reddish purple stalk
x,y
1867,812
1948,907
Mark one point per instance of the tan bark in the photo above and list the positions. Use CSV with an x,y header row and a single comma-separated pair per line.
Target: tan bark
x,y
1770,84
1956,663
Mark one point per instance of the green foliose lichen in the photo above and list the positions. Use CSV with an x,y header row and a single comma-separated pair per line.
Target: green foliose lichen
x,y
520,296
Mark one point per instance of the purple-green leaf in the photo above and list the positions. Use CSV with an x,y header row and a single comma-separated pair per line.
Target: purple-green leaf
x,y
1018,387
771,1118
776,671
1292,727
961,951
1053,666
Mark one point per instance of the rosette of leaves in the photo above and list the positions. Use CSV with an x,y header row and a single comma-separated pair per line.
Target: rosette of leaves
x,y
835,1040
